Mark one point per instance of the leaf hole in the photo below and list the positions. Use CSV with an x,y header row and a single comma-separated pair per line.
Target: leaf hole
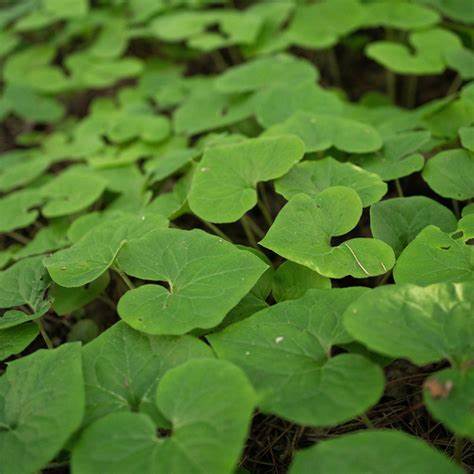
x,y
457,235
163,432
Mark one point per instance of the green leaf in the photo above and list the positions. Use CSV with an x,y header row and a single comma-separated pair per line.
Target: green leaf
x,y
435,257
303,230
195,296
375,451
166,165
122,368
85,330
429,47
398,157
17,210
68,300
13,340
96,251
24,283
451,174
321,24
321,132
466,134
454,407
459,10
292,281
224,184
312,177
402,15
265,72
285,351
279,103
422,324
209,404
37,418
398,221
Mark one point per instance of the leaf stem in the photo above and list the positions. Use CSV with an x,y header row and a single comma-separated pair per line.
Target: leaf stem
x,y
47,340
125,278
248,230
334,66
18,237
454,85
410,99
398,185
456,210
216,230
458,448
391,85
263,204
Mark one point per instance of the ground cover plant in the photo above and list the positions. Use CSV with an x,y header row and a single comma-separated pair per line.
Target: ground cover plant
x,y
236,236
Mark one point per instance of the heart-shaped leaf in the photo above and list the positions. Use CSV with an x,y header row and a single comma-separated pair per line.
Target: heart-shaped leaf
x,y
195,296
224,184
209,404
435,256
303,230
17,209
312,177
122,368
451,174
398,221
285,350
36,419
380,448
422,324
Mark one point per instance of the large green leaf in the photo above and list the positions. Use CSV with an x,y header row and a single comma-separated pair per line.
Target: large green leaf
x,y
209,404
451,174
398,221
224,184
42,406
122,368
422,324
286,352
312,177
377,452
303,230
196,295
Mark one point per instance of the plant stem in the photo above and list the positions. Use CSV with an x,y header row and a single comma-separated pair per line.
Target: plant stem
x,y
256,228
219,60
398,185
458,448
264,206
248,231
47,340
410,99
454,85
216,230
384,278
125,278
367,421
334,66
456,210
391,85
18,237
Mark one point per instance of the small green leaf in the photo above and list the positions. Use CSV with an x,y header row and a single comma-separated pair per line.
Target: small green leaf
x,y
398,221
37,418
96,251
303,230
448,395
13,340
224,184
292,281
422,324
451,174
312,177
209,404
195,296
17,210
285,350
466,134
368,451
